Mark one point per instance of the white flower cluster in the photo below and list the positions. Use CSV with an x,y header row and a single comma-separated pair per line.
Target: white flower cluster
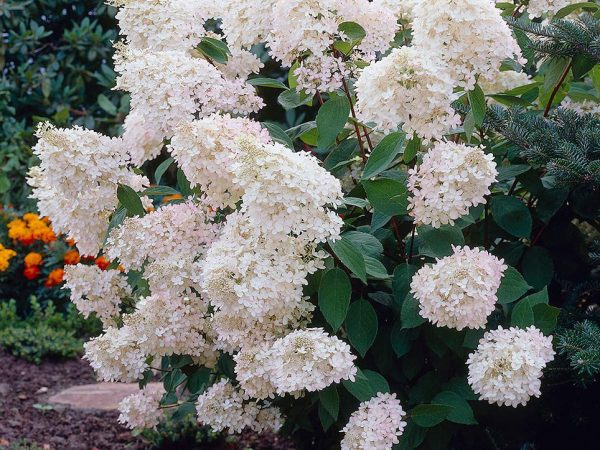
x,y
407,88
76,182
469,36
287,192
98,291
223,407
503,81
205,149
459,291
376,425
181,229
402,9
541,8
507,366
141,410
451,179
582,107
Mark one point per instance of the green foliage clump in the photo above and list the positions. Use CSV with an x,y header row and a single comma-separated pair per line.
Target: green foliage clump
x,y
55,64
175,433
581,346
45,333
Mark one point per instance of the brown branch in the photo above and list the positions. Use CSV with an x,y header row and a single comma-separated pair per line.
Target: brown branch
x,y
557,87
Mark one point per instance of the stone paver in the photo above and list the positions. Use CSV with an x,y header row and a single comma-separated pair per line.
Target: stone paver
x,y
103,396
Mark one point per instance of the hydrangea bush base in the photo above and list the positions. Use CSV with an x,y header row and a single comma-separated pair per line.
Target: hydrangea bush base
x,y
361,278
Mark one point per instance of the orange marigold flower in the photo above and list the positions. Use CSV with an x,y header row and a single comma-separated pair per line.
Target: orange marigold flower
x,y
31,273
55,278
70,242
102,262
30,216
72,257
32,259
6,254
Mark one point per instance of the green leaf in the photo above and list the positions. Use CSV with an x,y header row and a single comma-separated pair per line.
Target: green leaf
x,y
355,201
116,220
375,269
361,387
361,325
538,267
478,107
198,381
278,134
183,184
412,148
334,297
438,242
214,49
326,420
522,314
506,173
330,400
331,118
4,183
377,381
428,416
461,412
512,215
130,200
387,196
403,274
409,314
402,338
352,30
545,317
469,125
512,287
162,168
160,190
108,106
383,155
291,99
564,12
365,242
351,257
266,82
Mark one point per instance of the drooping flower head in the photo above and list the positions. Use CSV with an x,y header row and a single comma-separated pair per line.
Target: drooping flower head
x,y
141,410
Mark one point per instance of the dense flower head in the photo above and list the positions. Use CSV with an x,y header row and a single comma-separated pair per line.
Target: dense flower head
x,y
503,81
6,254
140,410
115,355
287,192
260,274
376,425
251,372
451,179
402,9
142,139
32,259
459,291
470,36
222,407
55,277
407,89
308,359
245,22
31,228
161,24
76,182
98,291
71,257
582,107
206,149
31,272
174,229
169,87
540,8
507,366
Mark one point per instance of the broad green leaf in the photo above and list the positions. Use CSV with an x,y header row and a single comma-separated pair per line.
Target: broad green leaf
x,y
478,106
409,315
564,12
402,338
161,169
160,190
291,99
509,172
330,400
403,274
367,243
108,106
428,416
130,200
358,202
214,49
438,242
512,215
512,287
522,314
387,196
334,297
352,30
377,381
266,82
361,325
538,267
412,148
383,155
331,118
361,387
278,134
375,268
326,420
183,184
545,317
461,412
198,381
351,257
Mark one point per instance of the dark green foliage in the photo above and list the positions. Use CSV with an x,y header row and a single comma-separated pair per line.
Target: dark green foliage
x,y
55,63
581,346
566,144
185,433
45,333
562,37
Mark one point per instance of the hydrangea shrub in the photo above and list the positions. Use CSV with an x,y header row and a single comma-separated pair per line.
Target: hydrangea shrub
x,y
375,271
